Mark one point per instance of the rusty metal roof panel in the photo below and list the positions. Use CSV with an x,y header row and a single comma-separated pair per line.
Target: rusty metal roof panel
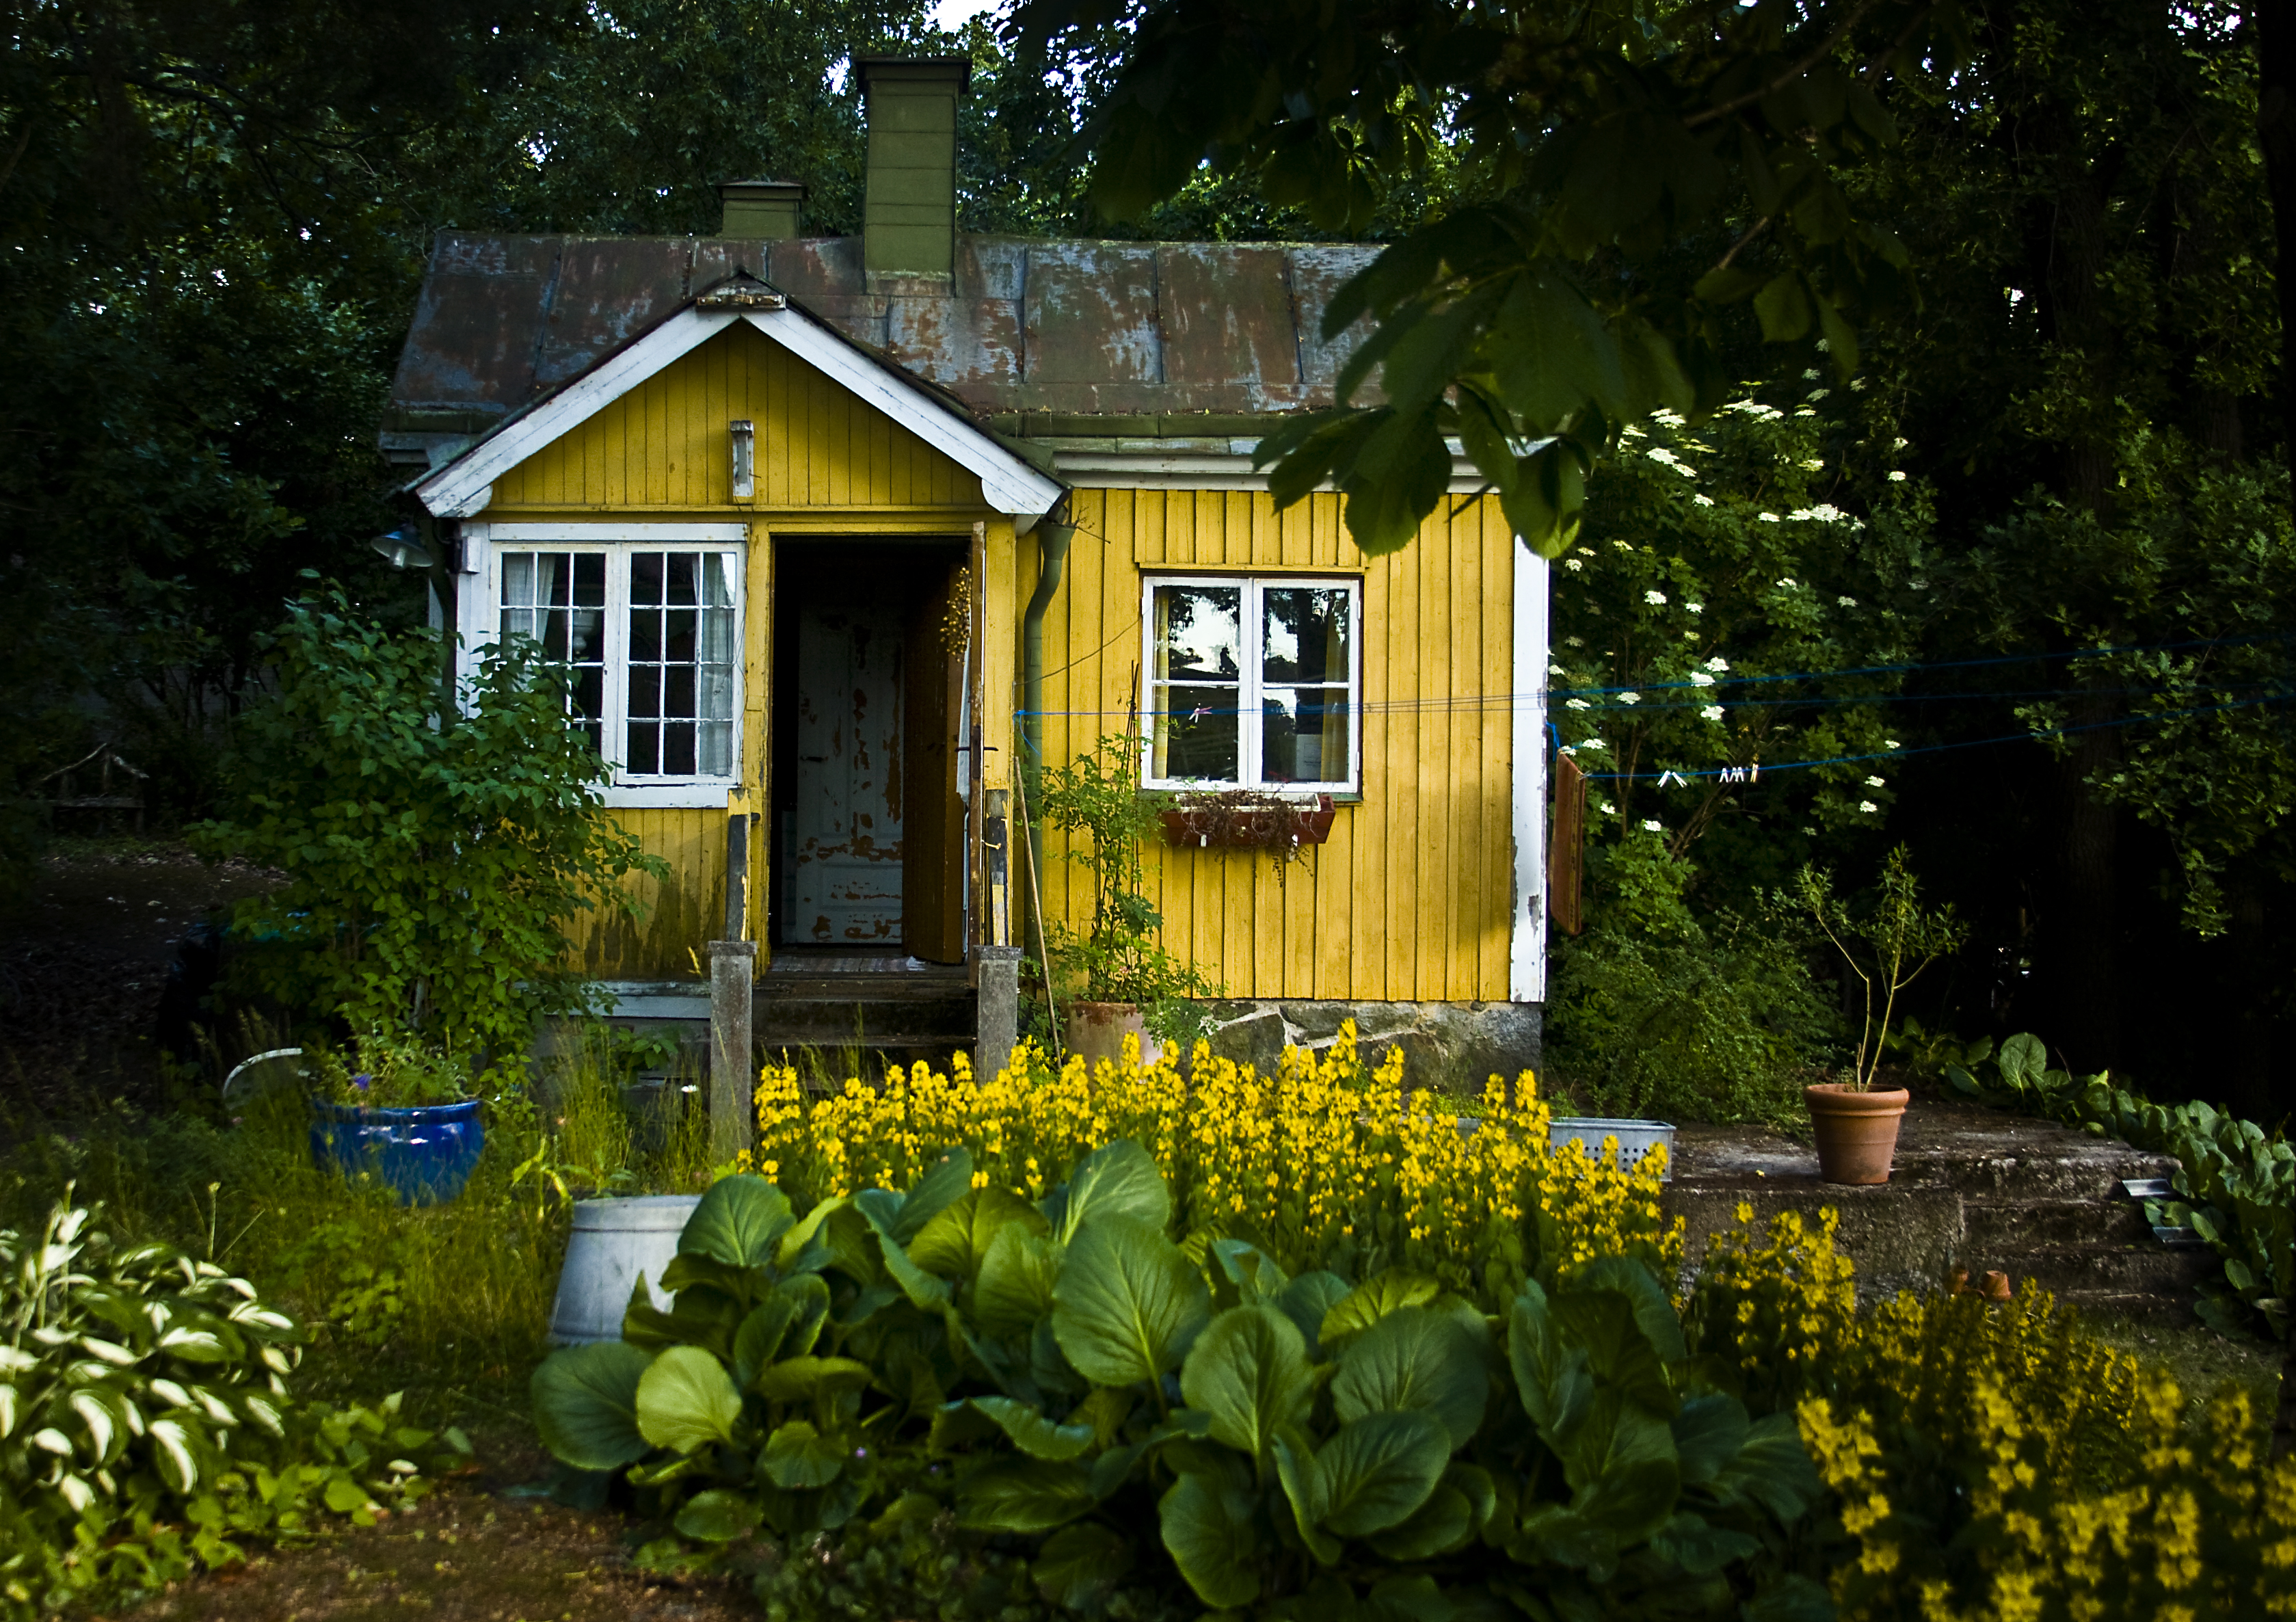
x,y
1026,326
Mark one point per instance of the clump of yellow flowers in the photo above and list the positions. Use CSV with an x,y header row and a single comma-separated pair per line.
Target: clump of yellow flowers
x,y
1323,1163
1995,1460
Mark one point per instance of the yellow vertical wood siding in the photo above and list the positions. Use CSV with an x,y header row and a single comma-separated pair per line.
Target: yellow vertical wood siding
x,y
664,445
1411,899
682,913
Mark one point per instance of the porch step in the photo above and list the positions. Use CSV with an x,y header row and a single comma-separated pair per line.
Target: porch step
x,y
1969,1188
872,1011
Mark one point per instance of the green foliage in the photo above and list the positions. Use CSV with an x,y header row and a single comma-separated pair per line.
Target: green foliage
x,y
1900,938
1656,1010
146,1422
431,858
1116,959
2235,1183
1624,149
388,1071
1064,1375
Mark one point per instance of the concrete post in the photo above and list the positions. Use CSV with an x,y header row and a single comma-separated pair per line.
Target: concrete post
x,y
733,1080
999,1008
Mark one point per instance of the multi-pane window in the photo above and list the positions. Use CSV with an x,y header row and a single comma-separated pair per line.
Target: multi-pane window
x,y
652,638
1254,683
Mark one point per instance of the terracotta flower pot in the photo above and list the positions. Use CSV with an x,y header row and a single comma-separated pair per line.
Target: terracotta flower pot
x,y
1856,1132
1096,1031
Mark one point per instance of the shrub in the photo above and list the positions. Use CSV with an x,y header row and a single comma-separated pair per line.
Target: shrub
x,y
1994,1460
1322,1164
145,1420
1656,1010
1059,1372
432,859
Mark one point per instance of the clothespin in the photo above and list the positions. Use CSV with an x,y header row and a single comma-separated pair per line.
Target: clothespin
x,y
1676,776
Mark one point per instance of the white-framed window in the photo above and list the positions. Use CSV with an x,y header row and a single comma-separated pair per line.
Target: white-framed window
x,y
650,619
1253,682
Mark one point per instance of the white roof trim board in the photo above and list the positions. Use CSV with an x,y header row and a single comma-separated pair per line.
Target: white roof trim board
x,y
462,487
1191,464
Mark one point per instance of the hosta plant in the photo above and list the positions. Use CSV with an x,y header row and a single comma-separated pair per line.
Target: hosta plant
x,y
1061,1372
145,1419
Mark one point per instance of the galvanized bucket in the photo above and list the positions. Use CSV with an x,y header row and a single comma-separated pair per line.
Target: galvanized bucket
x,y
614,1240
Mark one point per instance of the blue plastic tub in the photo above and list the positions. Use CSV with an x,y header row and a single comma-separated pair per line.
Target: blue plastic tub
x,y
424,1154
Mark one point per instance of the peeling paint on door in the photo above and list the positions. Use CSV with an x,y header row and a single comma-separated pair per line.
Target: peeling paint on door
x,y
846,888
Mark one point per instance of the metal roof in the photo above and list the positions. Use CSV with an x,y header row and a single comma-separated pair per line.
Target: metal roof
x,y
1038,335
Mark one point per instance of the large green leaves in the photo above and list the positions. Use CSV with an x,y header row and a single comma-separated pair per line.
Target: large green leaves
x,y
1378,1471
1117,1179
739,1222
1015,1291
1081,1562
1249,1372
1206,1522
799,1456
1552,1375
685,1400
1024,1495
1128,1305
586,1405
1414,1358
956,1242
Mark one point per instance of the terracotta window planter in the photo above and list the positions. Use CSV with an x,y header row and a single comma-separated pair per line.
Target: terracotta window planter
x,y
1264,825
1856,1132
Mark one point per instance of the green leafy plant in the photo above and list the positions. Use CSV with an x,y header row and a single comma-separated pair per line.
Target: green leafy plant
x,y
145,1419
389,1070
1116,958
1061,1371
1900,939
431,858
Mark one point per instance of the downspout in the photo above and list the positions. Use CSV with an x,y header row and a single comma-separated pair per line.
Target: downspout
x,y
1053,539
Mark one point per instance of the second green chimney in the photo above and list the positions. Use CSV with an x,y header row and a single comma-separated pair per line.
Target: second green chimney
x,y
908,214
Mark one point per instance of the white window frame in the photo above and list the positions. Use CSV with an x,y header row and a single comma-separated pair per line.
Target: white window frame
x,y
481,616
1250,718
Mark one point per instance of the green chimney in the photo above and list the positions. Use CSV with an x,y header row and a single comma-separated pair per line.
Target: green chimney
x,y
908,218
760,210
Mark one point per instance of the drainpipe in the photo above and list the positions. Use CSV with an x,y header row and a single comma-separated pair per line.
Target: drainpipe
x,y
1053,540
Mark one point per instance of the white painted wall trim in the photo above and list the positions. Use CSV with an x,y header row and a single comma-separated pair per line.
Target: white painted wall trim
x,y
1193,464
1527,937
464,487
607,528
1007,483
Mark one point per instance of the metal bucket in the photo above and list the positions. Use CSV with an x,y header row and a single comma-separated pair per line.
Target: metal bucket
x,y
614,1240
1636,1138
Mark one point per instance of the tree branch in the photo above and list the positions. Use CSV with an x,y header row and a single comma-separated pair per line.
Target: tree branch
x,y
1831,43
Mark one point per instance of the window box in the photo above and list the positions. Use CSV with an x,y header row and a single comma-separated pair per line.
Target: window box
x,y
1247,822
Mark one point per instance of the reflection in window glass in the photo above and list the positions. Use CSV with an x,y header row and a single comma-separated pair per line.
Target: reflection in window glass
x,y
559,599
1197,645
1252,683
681,665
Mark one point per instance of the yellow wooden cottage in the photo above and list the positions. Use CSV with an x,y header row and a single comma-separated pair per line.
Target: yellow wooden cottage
x,y
835,530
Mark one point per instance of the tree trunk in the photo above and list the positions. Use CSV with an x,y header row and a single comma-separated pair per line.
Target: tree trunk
x,y
2081,938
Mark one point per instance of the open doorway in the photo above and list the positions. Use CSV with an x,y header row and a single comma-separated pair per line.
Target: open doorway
x,y
869,656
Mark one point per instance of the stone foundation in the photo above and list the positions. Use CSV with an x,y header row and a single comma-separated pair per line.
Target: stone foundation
x,y
1454,1045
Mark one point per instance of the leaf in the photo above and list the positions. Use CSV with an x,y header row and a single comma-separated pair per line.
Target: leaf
x,y
586,1405
1127,1305
1414,1359
1015,1291
1783,308
1445,1522
685,1399
1398,476
1700,1547
948,1181
717,1516
1546,503
1031,1431
1295,1470
1552,1379
1771,1468
1024,1495
1117,1179
1080,1563
758,1341
1372,1299
1253,1272
1654,1313
811,1379
1602,1323
739,1222
1249,1372
956,1243
797,1456
1307,1300
1708,1430
1207,1530
179,1468
1622,1467
1793,1598
1378,1471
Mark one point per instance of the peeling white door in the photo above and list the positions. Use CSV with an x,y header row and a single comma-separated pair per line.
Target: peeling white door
x,y
846,885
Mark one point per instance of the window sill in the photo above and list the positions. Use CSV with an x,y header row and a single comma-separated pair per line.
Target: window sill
x,y
668,795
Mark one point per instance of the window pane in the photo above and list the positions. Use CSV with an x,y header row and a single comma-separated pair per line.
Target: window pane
x,y
558,598
1304,635
1304,734
682,665
1198,633
1196,733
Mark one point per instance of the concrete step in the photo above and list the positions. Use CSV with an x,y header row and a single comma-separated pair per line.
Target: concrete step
x,y
2162,1311
867,1011
2150,1269
2019,1224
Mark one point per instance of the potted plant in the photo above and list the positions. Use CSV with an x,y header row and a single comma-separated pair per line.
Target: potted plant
x,y
1123,983
1856,1123
397,1109
1241,818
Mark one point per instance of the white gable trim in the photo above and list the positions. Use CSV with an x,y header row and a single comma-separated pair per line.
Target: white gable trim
x,y
461,487
1007,483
